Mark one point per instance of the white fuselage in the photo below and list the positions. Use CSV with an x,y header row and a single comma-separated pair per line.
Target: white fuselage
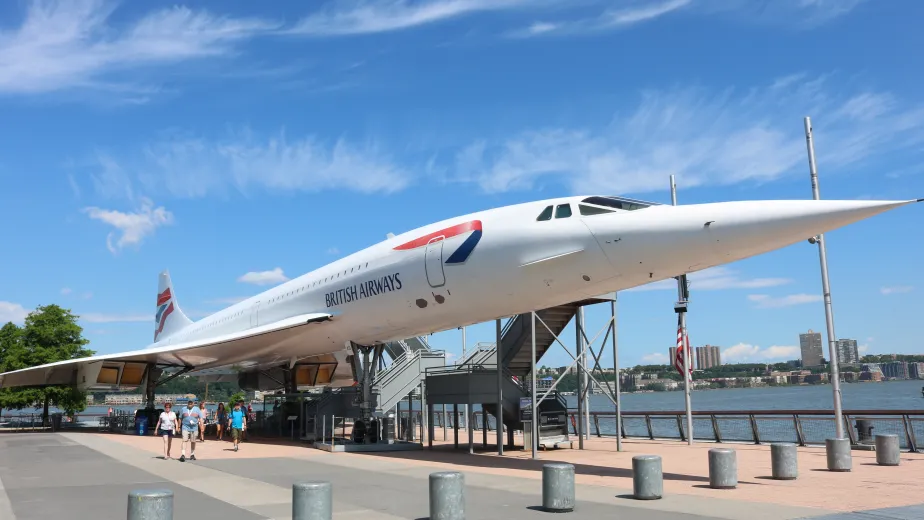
x,y
519,264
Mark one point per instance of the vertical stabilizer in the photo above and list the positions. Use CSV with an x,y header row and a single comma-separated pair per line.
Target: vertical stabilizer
x,y
169,318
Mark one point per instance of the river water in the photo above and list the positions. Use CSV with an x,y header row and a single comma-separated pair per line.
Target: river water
x,y
891,395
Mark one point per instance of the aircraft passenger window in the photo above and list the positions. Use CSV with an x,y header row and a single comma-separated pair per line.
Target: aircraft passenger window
x,y
546,214
563,211
593,210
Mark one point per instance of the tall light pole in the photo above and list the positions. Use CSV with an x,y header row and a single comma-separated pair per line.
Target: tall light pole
x,y
681,309
826,288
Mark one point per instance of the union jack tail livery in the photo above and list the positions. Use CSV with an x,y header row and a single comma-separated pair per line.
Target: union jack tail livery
x,y
168,318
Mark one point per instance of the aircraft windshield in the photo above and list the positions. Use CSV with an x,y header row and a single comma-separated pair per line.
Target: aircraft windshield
x,y
600,205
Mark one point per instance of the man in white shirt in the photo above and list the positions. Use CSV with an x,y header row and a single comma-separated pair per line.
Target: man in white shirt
x,y
191,417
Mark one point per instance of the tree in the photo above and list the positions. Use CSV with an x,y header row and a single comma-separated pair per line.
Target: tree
x,y
50,334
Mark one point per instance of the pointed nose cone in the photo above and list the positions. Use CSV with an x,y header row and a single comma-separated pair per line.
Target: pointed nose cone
x,y
742,229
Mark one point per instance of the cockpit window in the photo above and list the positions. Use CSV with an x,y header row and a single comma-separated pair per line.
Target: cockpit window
x,y
546,214
593,210
617,203
563,211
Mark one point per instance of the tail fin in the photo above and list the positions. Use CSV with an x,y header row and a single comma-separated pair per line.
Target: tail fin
x,y
169,318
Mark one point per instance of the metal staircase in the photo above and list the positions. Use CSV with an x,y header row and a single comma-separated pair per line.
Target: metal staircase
x,y
516,338
403,376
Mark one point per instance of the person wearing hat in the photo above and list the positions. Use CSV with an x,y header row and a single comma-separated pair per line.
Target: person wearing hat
x,y
191,417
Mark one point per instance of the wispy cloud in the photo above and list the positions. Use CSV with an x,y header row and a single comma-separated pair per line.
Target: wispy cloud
x,y
230,300
746,353
367,17
96,317
131,227
655,359
81,43
14,312
333,251
610,19
264,277
765,301
704,137
65,291
193,167
896,289
714,279
802,14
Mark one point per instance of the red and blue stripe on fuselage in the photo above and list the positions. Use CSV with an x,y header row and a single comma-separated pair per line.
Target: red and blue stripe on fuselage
x,y
461,254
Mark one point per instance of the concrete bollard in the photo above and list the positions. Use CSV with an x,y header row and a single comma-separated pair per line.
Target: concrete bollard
x,y
887,449
838,451
558,487
723,468
647,478
156,504
312,501
784,459
447,495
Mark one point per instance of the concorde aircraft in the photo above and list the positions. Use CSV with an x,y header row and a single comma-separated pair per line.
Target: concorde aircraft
x,y
465,270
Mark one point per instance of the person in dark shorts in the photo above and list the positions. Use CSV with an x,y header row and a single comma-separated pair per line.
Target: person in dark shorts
x,y
166,428
238,422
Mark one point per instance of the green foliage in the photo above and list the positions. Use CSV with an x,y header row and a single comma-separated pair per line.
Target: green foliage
x,y
239,396
191,385
50,334
888,358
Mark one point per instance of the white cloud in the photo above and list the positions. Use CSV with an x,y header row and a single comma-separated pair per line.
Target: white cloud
x,y
366,17
264,277
896,289
746,353
132,227
79,43
765,301
87,295
191,167
610,19
715,278
333,251
703,137
65,291
96,317
14,312
231,300
655,359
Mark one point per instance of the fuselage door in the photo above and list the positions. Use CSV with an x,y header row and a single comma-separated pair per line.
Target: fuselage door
x,y
434,263
255,315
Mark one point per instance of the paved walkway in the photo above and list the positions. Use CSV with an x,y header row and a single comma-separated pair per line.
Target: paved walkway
x,y
89,475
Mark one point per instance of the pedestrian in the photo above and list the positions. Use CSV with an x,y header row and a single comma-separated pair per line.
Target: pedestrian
x,y
191,417
221,419
238,424
204,416
166,428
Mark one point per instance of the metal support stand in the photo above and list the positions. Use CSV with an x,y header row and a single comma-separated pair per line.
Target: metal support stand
x,y
466,407
826,288
681,309
617,381
151,385
500,389
534,423
581,366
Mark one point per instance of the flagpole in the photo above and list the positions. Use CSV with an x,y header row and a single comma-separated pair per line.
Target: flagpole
x,y
684,347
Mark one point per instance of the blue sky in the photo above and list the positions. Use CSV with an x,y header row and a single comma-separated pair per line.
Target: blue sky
x,y
238,144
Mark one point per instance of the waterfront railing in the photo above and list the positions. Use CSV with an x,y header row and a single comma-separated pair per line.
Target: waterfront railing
x,y
802,427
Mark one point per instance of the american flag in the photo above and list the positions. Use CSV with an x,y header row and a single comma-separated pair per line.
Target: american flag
x,y
678,360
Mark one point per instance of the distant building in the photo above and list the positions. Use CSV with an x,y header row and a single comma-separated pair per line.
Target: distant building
x,y
848,352
810,344
707,357
895,370
671,355
916,370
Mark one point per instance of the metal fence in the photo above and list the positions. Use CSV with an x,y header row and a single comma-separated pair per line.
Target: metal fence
x,y
803,427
